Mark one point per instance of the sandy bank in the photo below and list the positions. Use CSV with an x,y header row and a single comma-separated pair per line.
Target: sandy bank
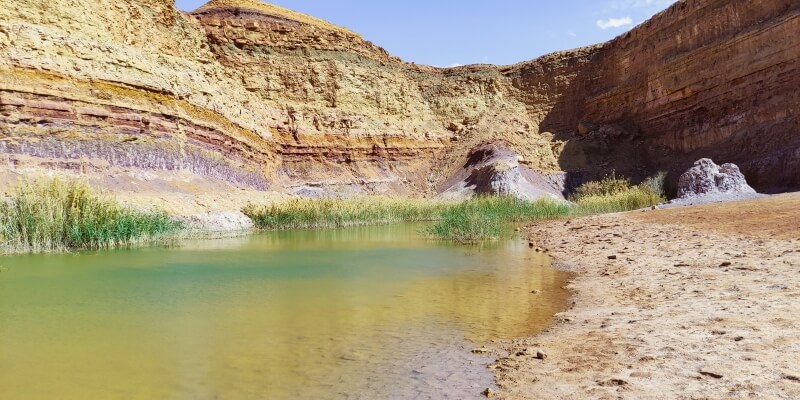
x,y
689,303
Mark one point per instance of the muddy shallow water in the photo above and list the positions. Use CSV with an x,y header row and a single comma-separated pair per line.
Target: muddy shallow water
x,y
376,312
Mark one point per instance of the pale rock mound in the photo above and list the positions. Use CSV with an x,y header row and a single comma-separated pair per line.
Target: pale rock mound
x,y
706,178
493,169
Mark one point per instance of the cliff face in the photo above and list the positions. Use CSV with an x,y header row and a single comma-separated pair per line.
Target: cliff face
x,y
702,79
256,96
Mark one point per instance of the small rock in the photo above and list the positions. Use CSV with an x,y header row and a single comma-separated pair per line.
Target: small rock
x,y
482,350
536,291
353,357
791,377
614,257
531,244
540,355
613,382
711,374
489,393
726,264
778,287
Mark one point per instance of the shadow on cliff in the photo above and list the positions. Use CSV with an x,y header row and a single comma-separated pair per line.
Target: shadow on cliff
x,y
592,151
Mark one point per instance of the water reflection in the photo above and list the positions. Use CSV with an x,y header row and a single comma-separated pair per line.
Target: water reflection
x,y
357,313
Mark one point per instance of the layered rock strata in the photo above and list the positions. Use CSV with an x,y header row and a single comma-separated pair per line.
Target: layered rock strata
x,y
703,79
256,96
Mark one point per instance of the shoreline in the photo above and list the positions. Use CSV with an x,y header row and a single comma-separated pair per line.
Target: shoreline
x,y
694,302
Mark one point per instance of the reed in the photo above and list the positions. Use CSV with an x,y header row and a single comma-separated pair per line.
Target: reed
x,y
342,212
486,218
56,215
472,220
482,218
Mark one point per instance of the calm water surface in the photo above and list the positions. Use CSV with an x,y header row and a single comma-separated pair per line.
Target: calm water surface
x,y
358,313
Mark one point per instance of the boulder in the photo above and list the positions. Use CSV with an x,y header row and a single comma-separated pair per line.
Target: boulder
x,y
493,169
706,178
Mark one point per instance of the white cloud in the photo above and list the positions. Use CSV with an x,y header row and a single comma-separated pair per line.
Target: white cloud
x,y
571,33
614,22
616,5
448,66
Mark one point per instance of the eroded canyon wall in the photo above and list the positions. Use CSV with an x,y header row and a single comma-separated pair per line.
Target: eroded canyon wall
x,y
704,78
256,96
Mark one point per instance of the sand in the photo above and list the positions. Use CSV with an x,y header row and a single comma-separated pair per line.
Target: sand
x,y
689,303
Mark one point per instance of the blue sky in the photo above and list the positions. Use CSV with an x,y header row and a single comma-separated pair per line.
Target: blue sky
x,y
447,32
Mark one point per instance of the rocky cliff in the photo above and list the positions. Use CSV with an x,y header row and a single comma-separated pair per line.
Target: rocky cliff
x,y
702,79
245,95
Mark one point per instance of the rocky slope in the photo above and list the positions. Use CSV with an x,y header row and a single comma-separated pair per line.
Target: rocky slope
x,y
244,95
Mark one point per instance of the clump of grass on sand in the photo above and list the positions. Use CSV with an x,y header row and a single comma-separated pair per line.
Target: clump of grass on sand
x,y
55,215
613,194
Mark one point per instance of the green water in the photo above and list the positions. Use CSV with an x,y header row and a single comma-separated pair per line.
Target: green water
x,y
359,313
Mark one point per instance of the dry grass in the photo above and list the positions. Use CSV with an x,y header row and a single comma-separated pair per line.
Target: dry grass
x,y
616,194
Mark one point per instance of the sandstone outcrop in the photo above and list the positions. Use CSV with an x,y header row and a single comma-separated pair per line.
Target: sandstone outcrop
x,y
706,178
493,169
253,96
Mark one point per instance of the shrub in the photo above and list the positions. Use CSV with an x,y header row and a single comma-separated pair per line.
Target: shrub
x,y
633,198
613,194
608,186
655,184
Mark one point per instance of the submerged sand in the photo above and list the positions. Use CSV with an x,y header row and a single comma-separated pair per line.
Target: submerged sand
x,y
690,303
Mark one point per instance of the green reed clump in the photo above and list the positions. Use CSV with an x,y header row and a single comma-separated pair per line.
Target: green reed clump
x,y
56,215
342,212
486,218
471,220
468,221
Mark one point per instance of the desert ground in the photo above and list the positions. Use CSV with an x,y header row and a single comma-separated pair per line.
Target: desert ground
x,y
690,303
